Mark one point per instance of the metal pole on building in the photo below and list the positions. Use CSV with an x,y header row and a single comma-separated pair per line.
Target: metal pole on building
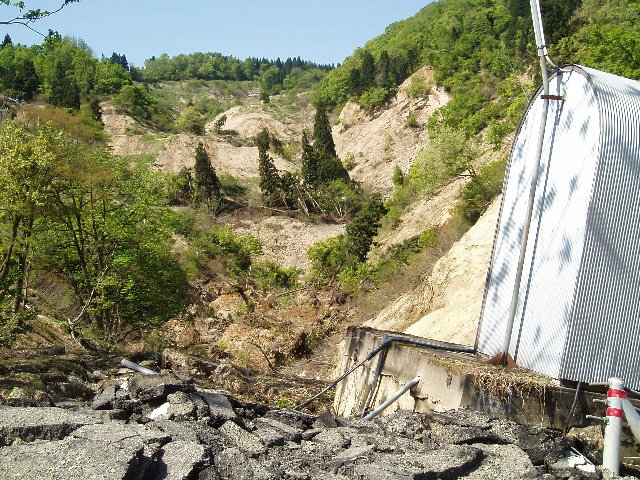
x,y
543,56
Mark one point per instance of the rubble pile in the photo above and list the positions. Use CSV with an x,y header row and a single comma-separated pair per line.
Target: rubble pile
x,y
165,427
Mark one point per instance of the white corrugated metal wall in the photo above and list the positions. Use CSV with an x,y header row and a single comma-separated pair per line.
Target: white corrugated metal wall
x,y
555,257
604,338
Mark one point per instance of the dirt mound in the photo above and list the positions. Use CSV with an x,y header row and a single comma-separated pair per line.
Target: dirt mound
x,y
446,306
377,142
249,120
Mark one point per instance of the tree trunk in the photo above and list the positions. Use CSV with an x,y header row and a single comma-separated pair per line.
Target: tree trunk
x,y
6,263
23,268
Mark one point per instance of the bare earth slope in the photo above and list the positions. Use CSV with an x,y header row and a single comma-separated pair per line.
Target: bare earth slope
x,y
446,305
378,142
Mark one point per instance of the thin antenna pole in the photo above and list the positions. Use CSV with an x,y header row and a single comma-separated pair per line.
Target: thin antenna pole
x,y
543,56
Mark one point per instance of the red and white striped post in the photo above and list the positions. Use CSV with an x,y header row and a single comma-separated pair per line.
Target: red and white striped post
x,y
613,430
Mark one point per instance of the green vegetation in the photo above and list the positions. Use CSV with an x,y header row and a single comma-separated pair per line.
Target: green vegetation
x,y
207,184
479,49
106,229
348,252
274,75
450,154
481,190
100,227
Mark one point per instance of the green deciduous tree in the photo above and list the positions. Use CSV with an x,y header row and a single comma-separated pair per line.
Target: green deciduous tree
x,y
28,165
110,77
91,221
23,15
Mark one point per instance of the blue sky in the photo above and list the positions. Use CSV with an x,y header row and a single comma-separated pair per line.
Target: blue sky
x,y
324,31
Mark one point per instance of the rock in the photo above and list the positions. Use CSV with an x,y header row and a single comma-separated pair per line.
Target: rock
x,y
187,363
124,401
290,433
193,432
243,440
114,414
157,387
352,454
180,459
294,418
104,400
311,433
326,420
503,462
334,438
181,407
233,464
270,437
184,431
74,459
451,461
209,473
220,408
117,432
44,423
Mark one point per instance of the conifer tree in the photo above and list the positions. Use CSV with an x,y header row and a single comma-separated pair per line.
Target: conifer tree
x,y
207,182
270,181
7,41
329,166
368,70
25,82
310,173
64,89
322,139
383,76
364,227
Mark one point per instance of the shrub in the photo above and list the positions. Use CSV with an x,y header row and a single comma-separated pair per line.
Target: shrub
x,y
398,176
268,274
481,190
418,87
412,121
374,97
328,257
191,121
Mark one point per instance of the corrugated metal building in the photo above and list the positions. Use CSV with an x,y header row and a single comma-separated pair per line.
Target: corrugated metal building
x,y
578,315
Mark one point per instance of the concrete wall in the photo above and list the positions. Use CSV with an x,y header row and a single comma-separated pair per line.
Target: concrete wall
x,y
451,381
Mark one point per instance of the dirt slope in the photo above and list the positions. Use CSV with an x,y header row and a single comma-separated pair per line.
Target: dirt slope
x,y
446,305
286,240
126,136
249,120
239,161
378,142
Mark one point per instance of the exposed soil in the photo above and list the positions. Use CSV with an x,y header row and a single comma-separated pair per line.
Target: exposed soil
x,y
378,142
